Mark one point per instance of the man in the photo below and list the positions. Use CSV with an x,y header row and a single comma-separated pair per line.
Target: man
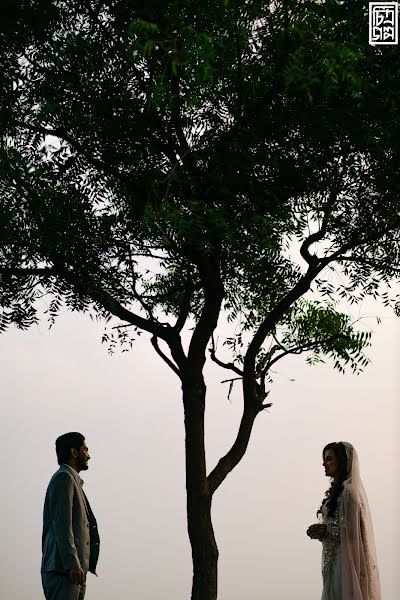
x,y
70,541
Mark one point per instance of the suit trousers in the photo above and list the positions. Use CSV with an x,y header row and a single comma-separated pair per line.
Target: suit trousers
x,y
58,587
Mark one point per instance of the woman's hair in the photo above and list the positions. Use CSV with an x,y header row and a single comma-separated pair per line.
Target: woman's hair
x,y
65,442
333,493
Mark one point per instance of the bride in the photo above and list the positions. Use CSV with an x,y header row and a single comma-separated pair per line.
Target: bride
x,y
349,566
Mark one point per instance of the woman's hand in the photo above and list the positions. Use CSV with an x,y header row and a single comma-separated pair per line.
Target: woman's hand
x,y
317,531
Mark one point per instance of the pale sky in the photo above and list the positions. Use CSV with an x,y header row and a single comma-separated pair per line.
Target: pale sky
x,y
129,408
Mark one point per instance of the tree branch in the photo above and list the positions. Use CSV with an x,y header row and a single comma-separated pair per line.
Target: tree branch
x,y
213,296
97,294
368,262
306,347
138,297
45,271
312,259
357,242
185,308
263,364
231,380
228,462
299,289
154,341
230,366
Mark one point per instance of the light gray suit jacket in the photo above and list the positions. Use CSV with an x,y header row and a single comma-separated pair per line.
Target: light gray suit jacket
x,y
66,527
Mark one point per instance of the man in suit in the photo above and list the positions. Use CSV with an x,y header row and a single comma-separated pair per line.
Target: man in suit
x,y
70,541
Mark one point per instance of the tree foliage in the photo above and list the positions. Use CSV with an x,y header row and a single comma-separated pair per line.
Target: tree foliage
x,y
130,129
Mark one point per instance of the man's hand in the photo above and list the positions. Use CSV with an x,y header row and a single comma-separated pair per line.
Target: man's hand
x,y
77,576
317,531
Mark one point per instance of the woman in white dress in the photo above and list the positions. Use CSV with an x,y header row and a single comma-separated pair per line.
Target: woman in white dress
x,y
349,566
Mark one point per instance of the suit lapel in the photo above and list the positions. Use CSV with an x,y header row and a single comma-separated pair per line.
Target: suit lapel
x,y
78,482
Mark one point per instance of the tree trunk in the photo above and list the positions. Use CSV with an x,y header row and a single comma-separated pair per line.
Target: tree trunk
x,y
204,550
200,529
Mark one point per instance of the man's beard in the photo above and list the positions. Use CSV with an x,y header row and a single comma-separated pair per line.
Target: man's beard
x,y
83,466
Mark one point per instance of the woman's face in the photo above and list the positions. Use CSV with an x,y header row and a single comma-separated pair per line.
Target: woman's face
x,y
330,463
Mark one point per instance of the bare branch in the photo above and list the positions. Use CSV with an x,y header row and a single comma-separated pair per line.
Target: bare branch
x,y
230,366
233,379
252,407
228,462
154,341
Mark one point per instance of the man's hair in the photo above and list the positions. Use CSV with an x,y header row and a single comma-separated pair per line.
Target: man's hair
x,y
65,442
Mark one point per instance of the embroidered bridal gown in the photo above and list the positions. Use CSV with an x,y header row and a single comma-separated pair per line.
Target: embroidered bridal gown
x,y
331,556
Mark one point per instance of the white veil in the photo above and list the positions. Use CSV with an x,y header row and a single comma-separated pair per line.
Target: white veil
x,y
360,576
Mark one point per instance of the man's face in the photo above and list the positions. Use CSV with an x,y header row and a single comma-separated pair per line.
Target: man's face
x,y
83,457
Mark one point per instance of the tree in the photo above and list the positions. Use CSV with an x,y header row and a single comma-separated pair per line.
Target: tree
x,y
160,161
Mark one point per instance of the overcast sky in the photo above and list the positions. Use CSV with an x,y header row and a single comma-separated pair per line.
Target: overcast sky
x,y
129,408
